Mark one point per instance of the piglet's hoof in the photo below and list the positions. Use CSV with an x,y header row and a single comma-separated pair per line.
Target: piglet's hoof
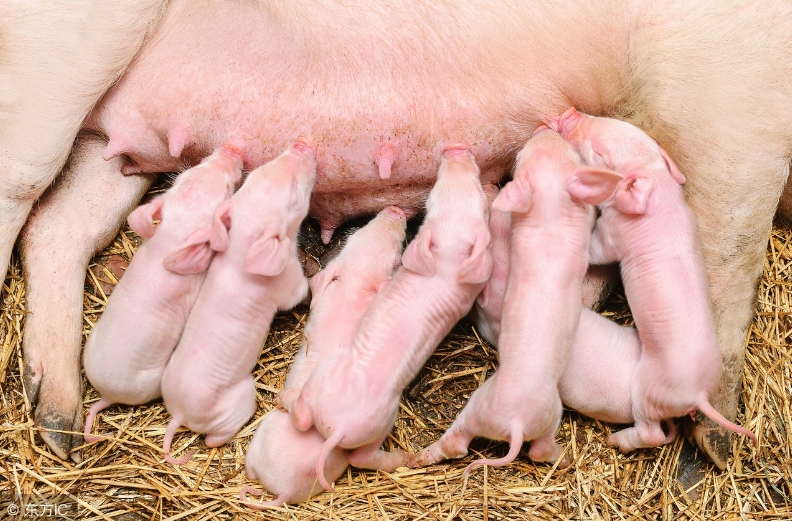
x,y
712,440
417,460
58,407
565,462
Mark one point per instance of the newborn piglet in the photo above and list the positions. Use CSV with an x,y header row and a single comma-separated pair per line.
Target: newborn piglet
x,y
597,378
551,217
353,398
280,456
648,227
207,385
127,351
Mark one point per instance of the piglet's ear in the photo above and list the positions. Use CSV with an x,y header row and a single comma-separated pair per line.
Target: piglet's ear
x,y
514,197
269,254
636,194
193,256
477,268
301,414
593,185
141,219
321,280
675,173
418,256
220,226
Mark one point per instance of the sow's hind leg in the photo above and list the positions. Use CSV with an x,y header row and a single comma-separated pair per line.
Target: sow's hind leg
x,y
732,141
79,215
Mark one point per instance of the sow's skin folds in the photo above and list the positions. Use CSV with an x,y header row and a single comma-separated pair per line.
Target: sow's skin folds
x,y
353,398
207,385
127,351
280,456
648,227
549,200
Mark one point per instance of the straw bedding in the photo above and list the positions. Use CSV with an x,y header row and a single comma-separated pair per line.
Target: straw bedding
x,y
124,477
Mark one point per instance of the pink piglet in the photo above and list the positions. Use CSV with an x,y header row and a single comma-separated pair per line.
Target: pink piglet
x,y
207,385
282,457
129,347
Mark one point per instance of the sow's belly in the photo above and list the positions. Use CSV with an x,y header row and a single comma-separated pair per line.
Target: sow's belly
x,y
380,99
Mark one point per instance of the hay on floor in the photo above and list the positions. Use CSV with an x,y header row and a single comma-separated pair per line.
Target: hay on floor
x,y
124,477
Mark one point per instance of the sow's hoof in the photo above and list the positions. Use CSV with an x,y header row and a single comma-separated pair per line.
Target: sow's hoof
x,y
711,439
57,399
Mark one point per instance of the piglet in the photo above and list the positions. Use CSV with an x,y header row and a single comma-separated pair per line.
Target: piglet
x,y
207,384
648,227
598,374
280,456
353,398
127,351
551,217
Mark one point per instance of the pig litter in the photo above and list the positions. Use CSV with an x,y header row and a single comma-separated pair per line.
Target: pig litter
x,y
124,477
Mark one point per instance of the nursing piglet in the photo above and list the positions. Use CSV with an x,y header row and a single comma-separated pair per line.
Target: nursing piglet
x,y
551,217
353,398
282,457
598,374
127,351
207,384
649,228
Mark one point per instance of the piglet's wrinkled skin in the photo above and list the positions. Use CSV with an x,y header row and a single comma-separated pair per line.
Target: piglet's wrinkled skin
x,y
551,220
207,385
353,399
648,227
282,457
130,345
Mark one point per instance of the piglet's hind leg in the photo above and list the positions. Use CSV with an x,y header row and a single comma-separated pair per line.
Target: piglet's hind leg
x,y
547,450
454,444
372,457
643,434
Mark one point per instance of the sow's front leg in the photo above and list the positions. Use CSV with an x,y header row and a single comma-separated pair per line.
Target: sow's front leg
x,y
74,219
732,141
